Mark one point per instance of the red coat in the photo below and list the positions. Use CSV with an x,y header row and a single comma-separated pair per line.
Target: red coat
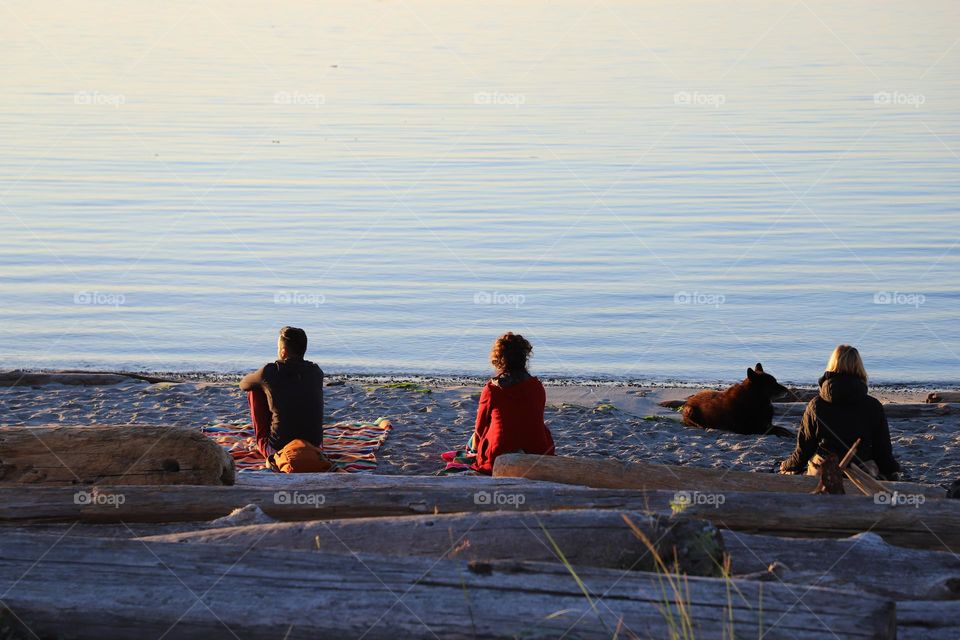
x,y
511,419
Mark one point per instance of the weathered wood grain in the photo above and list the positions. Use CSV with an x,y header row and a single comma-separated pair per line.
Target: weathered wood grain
x,y
123,454
931,525
109,589
924,620
588,537
863,562
615,474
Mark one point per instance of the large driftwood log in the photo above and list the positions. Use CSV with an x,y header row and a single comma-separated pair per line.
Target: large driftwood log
x,y
126,374
467,483
893,410
932,525
30,379
595,538
863,562
937,404
944,396
614,474
925,584
119,589
924,620
73,377
323,496
126,454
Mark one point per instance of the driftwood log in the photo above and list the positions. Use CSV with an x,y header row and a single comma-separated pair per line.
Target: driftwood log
x,y
73,377
125,588
924,620
614,474
930,525
893,410
862,562
589,537
126,454
944,396
126,374
323,496
924,584
936,404
31,379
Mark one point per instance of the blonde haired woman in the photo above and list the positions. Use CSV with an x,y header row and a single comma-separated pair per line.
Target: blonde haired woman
x,y
842,413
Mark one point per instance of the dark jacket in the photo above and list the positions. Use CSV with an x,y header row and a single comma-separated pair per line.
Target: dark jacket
x,y
294,390
833,421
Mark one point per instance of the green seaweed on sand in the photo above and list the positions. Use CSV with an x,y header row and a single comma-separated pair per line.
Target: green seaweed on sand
x,y
412,387
652,418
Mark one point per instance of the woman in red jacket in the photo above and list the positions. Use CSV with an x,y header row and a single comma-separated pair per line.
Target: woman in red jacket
x,y
510,415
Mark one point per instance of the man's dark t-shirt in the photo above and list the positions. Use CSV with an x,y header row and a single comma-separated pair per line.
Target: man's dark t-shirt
x,y
294,390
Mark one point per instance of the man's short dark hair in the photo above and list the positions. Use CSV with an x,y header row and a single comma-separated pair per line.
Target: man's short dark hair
x,y
294,341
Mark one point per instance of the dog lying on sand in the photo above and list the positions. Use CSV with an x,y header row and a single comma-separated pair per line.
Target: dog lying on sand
x,y
746,407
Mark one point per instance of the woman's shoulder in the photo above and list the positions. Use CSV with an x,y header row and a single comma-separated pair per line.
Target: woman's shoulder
x,y
873,403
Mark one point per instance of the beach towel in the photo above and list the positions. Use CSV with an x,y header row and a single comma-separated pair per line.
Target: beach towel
x,y
351,446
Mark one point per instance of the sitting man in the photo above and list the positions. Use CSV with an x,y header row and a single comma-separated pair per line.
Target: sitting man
x,y
286,396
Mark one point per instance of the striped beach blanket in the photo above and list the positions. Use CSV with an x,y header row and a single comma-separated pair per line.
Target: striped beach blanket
x,y
460,461
351,446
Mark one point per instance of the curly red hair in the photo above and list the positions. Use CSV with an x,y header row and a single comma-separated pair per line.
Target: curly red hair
x,y
510,352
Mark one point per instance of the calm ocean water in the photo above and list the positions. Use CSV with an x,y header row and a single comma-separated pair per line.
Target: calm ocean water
x,y
644,189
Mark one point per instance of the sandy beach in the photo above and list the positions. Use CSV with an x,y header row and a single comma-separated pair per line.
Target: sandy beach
x,y
609,421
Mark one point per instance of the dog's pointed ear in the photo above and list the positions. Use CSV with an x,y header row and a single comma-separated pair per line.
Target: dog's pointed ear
x,y
759,368
751,374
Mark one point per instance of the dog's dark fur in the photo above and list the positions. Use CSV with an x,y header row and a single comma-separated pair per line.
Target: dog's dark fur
x,y
745,407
